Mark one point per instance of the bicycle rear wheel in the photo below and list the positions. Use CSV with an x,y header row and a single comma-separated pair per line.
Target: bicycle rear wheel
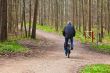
x,y
68,54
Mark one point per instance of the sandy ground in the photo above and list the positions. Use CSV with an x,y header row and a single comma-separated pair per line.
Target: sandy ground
x,y
53,59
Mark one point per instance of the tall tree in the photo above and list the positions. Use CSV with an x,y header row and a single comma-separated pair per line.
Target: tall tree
x,y
0,18
30,15
83,17
108,16
98,21
76,9
3,20
33,36
102,35
56,15
24,17
10,16
89,16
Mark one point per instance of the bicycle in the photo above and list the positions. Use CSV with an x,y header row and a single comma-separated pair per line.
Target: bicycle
x,y
68,49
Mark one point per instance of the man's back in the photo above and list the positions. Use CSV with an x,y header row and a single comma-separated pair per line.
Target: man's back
x,y
69,31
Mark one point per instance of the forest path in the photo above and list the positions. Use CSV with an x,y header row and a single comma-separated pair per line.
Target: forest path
x,y
54,60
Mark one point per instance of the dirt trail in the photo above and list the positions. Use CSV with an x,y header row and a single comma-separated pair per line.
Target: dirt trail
x,y
53,61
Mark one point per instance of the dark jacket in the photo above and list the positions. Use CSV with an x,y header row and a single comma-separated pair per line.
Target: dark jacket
x,y
69,31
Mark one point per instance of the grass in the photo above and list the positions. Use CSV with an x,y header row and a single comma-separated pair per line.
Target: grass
x,y
46,28
97,68
11,47
79,36
49,29
101,47
107,39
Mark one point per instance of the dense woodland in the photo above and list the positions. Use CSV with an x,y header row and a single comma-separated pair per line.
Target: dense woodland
x,y
19,20
21,17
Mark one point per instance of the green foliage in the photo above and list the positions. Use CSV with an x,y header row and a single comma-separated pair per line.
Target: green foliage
x,y
97,68
11,47
79,36
101,47
46,28
106,39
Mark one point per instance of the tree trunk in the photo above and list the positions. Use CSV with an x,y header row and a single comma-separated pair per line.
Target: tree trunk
x,y
83,17
33,36
29,32
108,16
3,20
56,15
102,35
24,17
90,16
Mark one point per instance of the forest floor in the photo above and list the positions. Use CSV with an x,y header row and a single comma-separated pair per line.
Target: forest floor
x,y
50,58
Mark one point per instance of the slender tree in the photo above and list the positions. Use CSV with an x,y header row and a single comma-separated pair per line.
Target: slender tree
x,y
3,20
108,16
33,36
30,15
102,35
89,17
56,15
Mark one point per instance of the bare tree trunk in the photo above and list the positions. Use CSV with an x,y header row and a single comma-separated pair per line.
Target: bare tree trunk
x,y
90,16
10,18
102,19
98,19
33,36
76,8
3,22
56,15
79,16
0,18
108,16
16,14
84,29
24,19
21,16
29,32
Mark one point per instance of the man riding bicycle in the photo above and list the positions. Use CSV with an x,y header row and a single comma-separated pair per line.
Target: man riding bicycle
x,y
69,33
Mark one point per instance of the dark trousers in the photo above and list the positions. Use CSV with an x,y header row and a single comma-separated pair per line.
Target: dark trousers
x,y
71,40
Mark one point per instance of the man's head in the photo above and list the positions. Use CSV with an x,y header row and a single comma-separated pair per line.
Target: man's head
x,y
69,23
